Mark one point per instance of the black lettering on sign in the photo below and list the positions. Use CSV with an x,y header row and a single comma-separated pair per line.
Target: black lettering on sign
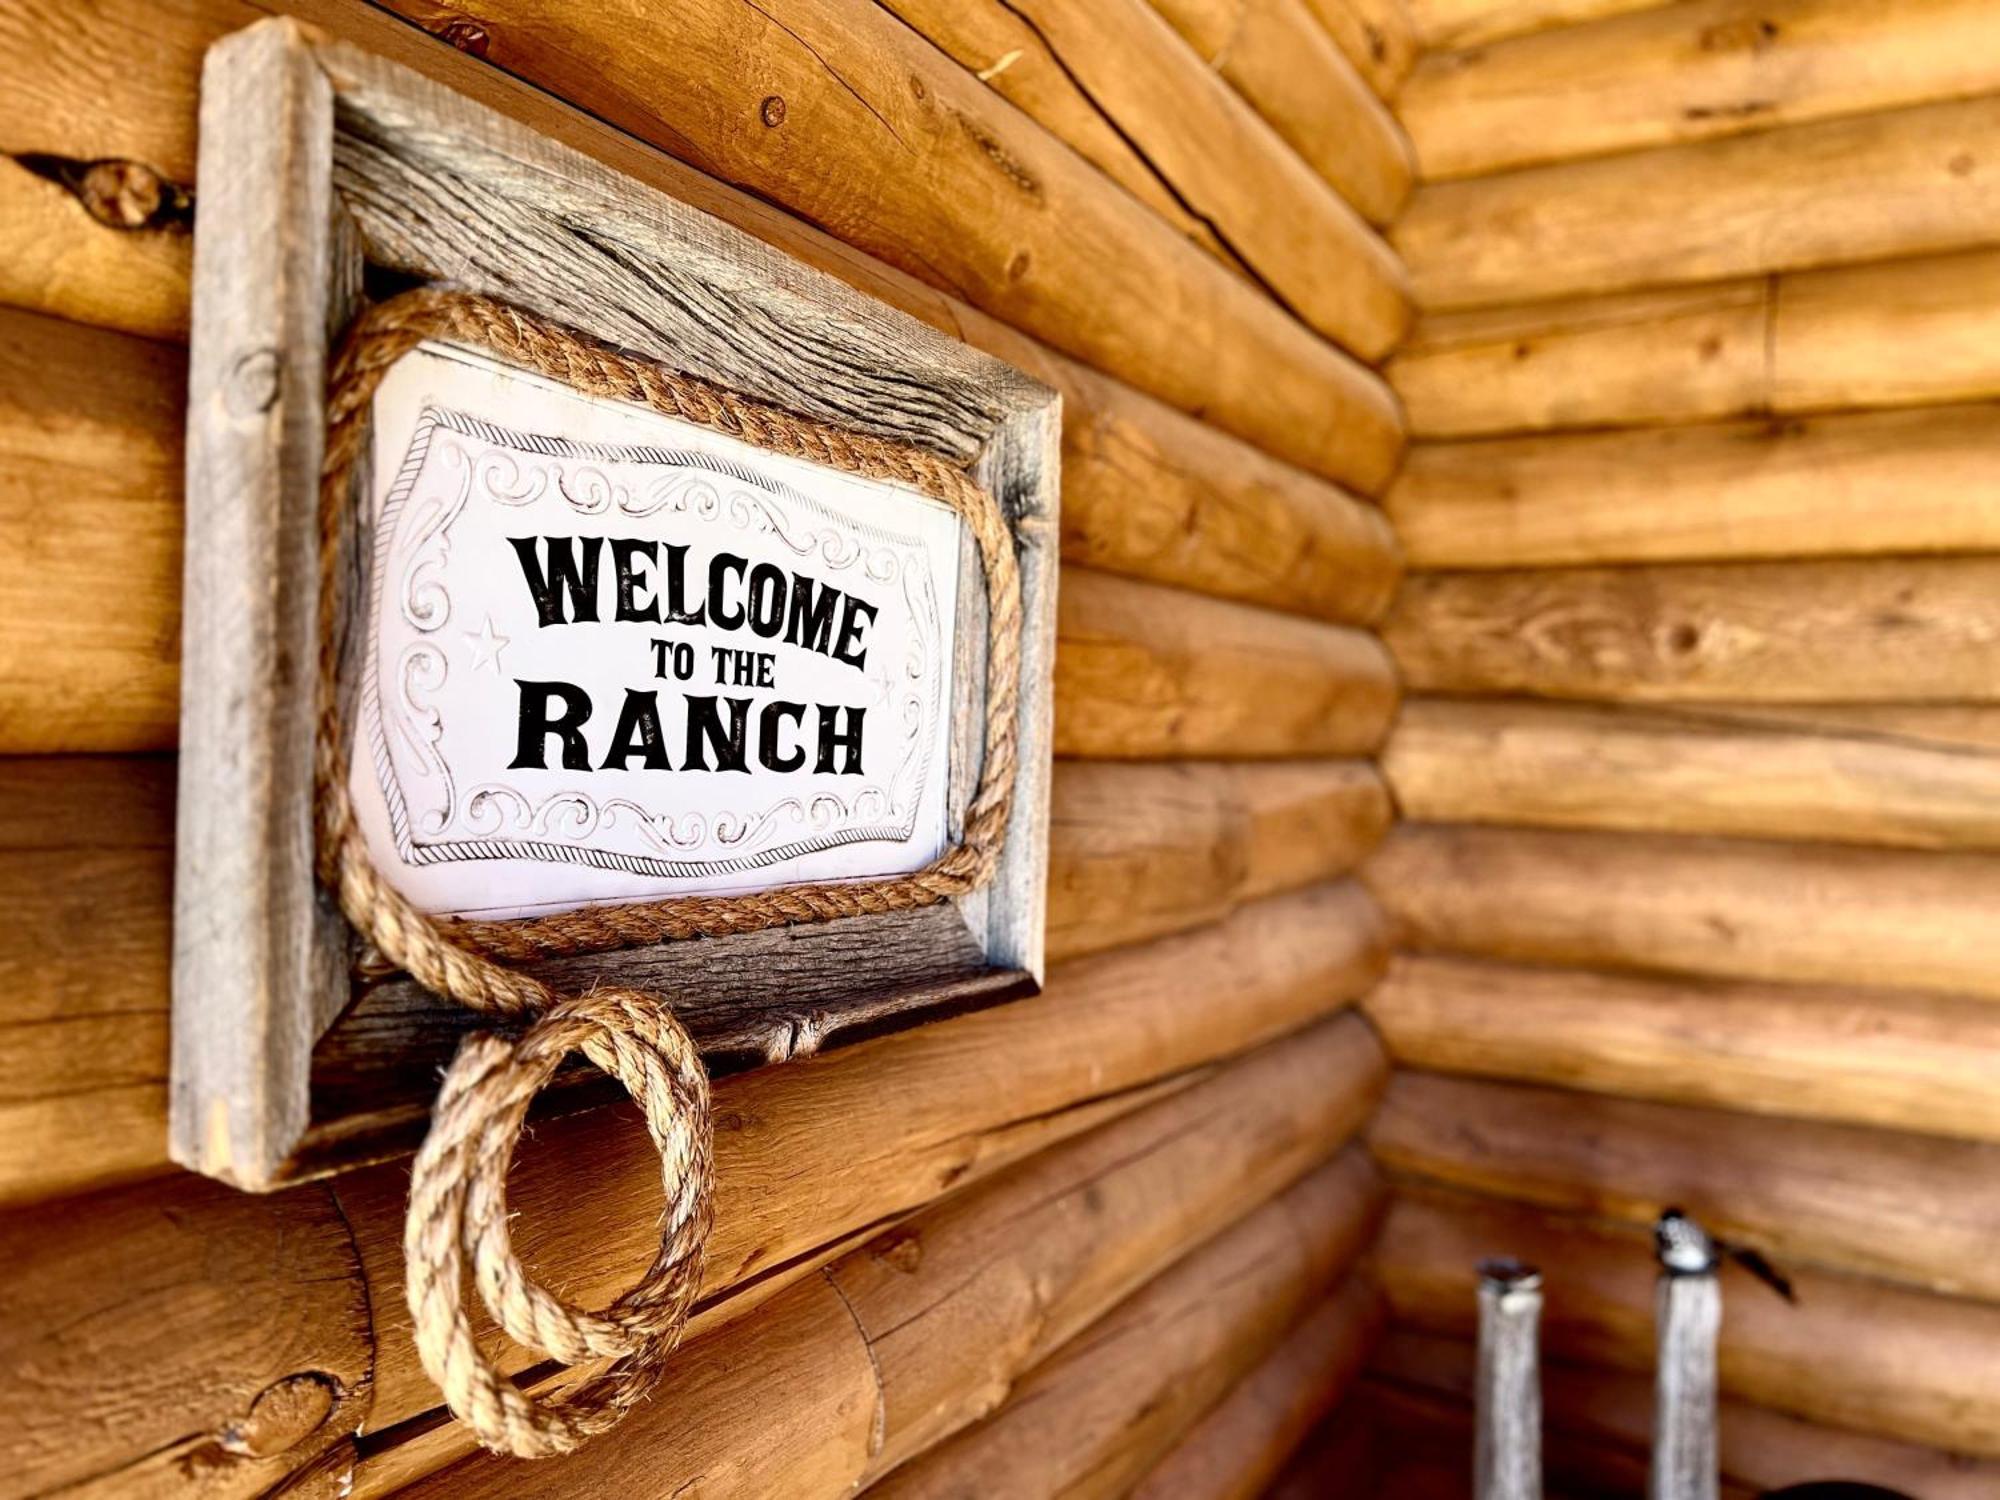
x,y
648,582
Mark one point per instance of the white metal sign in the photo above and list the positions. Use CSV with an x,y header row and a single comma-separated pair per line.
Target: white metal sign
x,y
611,655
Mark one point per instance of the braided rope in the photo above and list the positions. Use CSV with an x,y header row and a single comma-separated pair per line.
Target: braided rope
x,y
458,1185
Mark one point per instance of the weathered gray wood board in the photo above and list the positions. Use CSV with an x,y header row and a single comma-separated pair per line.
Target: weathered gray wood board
x,y
326,171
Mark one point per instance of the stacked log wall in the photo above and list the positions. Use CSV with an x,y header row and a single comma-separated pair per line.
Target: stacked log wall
x,y
1695,882
1172,213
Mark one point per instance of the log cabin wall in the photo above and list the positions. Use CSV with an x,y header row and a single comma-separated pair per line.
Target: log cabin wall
x,y
1697,880
1170,212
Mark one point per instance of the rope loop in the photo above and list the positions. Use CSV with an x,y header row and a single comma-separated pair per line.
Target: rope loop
x,y
458,1185
458,1213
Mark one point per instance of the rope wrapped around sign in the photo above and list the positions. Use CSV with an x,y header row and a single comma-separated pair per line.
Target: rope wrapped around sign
x,y
458,1185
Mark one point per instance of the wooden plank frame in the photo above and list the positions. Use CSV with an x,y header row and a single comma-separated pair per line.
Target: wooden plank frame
x,y
328,173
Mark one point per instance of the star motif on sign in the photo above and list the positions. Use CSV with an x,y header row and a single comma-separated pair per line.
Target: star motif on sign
x,y
486,647
884,679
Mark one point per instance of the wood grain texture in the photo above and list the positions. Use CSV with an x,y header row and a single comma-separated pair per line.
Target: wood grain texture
x,y
255,951
179,1338
1547,765
1850,1353
1892,334
1009,52
1137,851
1093,1418
1907,1208
1465,23
1295,235
1864,484
1149,493
1884,1058
1148,489
940,1314
55,258
1906,182
86,863
1916,331
1731,908
818,1151
1243,1443
90,457
1590,1407
898,151
1690,72
97,418
1282,62
1680,354
1917,630
1145,672
1374,35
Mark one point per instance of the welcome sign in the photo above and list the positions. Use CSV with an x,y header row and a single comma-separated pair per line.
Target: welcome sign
x,y
610,655
588,655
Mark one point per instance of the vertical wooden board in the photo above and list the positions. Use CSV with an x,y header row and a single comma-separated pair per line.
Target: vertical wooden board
x,y
256,945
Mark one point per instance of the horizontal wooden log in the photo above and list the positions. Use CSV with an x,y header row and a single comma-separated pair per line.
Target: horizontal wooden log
x,y
1850,1353
92,415
1877,630
1760,1449
1296,235
948,183
1913,1209
86,864
86,867
1467,23
1906,182
56,258
1147,489
1235,1451
1683,771
921,1327
1141,850
1013,57
810,1154
90,461
1282,62
1151,493
1898,333
1095,1416
1145,672
1883,1058
179,1337
1688,73
1675,354
140,1325
1866,484
1810,913
1892,334
1374,35
1959,726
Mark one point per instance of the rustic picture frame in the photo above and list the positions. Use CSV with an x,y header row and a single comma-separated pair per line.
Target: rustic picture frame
x,y
326,175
